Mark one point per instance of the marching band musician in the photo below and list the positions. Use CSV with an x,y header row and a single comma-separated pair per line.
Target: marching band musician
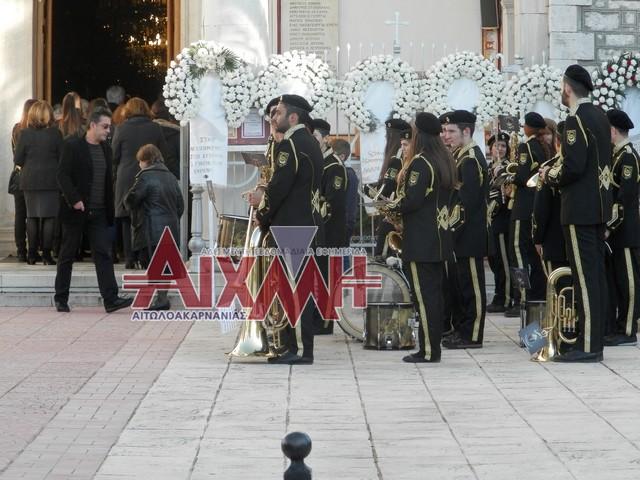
x,y
398,138
530,155
547,229
292,198
470,236
584,179
334,204
623,234
425,185
499,214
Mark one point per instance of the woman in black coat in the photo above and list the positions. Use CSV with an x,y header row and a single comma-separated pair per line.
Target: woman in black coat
x,y
137,130
155,202
37,153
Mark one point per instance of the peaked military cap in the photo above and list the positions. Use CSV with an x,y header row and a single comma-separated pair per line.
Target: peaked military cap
x,y
272,103
319,124
500,137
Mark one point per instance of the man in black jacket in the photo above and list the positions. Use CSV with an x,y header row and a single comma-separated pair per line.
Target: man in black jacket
x,y
624,235
470,237
292,198
84,177
584,178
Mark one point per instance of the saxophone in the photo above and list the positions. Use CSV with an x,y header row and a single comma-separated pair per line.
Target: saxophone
x,y
511,168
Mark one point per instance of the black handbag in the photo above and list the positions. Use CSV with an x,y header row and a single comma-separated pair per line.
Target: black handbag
x,y
14,181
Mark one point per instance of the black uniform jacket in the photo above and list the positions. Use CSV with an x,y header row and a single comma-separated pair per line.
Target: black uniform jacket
x,y
75,174
626,175
389,181
500,214
547,230
584,173
334,195
292,196
530,157
471,238
423,204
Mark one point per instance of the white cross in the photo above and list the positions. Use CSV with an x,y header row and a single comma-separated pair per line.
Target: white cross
x,y
396,41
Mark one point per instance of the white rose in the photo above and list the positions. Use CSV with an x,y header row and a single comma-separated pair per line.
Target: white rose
x,y
610,102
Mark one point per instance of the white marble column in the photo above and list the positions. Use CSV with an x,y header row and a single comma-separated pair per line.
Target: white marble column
x,y
16,46
508,32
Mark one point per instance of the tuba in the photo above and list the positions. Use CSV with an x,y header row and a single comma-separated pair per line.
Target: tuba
x,y
261,339
560,316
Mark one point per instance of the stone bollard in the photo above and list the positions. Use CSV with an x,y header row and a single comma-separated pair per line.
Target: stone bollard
x,y
296,446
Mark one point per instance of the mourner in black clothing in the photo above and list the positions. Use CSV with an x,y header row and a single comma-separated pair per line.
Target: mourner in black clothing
x,y
470,235
624,235
531,154
398,137
84,177
499,215
425,186
292,198
584,178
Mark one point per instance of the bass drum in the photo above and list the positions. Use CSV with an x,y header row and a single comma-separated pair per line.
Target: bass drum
x,y
387,322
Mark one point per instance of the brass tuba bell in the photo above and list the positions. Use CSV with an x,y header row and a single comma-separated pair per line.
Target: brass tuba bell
x,y
394,240
560,316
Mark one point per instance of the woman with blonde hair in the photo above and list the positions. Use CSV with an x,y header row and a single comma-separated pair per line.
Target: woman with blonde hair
x,y
137,130
71,123
37,154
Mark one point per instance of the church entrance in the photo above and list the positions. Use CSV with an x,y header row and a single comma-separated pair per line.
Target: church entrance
x,y
87,46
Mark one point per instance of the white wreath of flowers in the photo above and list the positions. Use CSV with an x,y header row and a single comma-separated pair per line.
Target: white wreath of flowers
x,y
464,65
182,82
612,79
400,74
297,65
533,84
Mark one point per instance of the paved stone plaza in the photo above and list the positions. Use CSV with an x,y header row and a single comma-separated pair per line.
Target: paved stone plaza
x,y
88,395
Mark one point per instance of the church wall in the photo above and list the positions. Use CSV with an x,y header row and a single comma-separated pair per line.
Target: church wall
x,y
592,31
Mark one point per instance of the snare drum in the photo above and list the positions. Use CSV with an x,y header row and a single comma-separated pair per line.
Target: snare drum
x,y
388,320
232,231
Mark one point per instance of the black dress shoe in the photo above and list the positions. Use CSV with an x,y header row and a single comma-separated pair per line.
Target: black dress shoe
x,y
62,306
457,343
130,265
419,357
302,361
577,356
118,304
620,340
496,308
22,257
156,306
31,260
512,312
48,260
286,359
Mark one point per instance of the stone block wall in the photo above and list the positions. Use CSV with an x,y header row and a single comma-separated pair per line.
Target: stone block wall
x,y
592,31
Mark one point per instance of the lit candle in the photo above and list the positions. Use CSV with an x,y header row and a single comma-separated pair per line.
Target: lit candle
x,y
544,57
410,53
423,62
348,56
337,60
383,51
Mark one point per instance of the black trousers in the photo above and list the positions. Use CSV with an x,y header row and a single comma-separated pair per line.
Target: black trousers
x,y
499,263
100,239
622,276
452,313
523,255
585,249
381,249
426,281
472,298
20,223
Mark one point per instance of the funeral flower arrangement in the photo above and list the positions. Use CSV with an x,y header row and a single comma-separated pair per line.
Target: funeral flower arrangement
x,y
533,84
182,82
612,79
401,75
463,65
297,66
